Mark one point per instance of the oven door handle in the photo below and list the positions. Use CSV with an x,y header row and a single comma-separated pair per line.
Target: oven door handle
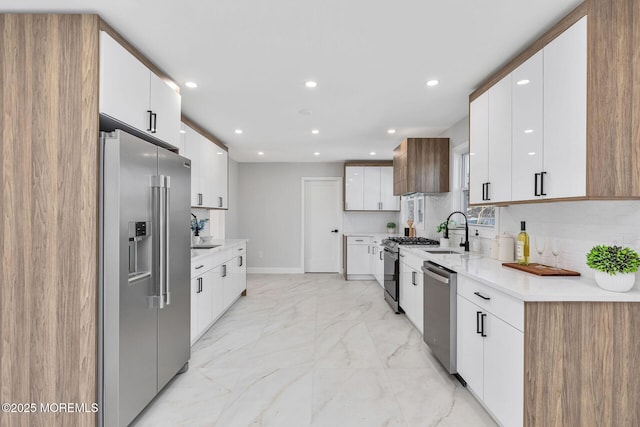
x,y
435,276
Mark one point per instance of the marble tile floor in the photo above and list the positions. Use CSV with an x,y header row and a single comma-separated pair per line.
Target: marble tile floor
x,y
313,350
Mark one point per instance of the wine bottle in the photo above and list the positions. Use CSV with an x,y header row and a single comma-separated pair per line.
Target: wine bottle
x,y
522,246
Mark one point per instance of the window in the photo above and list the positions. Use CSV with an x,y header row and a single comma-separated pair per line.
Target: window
x,y
477,215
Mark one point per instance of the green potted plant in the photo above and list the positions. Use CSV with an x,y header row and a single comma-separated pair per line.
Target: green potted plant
x,y
444,241
391,227
614,266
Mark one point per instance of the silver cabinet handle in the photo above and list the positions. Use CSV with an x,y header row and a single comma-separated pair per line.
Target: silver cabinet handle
x,y
219,202
413,278
381,259
224,270
199,199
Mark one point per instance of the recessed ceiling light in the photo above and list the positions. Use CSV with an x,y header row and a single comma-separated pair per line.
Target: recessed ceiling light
x,y
531,153
238,131
191,85
522,82
219,153
183,131
316,154
472,154
373,153
260,153
433,83
528,131
391,131
311,84
315,131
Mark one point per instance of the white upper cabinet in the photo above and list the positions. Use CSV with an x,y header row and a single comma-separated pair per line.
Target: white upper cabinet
x,y
565,113
527,144
490,145
478,148
528,132
499,183
209,170
370,188
388,201
354,188
134,95
165,104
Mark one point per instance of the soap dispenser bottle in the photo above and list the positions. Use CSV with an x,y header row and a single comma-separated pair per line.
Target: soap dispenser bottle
x,y
476,245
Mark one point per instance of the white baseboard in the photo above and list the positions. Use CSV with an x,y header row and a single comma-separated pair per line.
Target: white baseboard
x,y
274,270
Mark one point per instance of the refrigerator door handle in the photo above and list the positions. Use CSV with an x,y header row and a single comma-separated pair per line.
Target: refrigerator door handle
x,y
167,223
158,183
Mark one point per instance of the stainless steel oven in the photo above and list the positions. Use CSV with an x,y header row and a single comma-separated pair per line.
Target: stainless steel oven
x,y
392,266
391,279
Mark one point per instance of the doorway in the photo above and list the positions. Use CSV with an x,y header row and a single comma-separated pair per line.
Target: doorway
x,y
322,225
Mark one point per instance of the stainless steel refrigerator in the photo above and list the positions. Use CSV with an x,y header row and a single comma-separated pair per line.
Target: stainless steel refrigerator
x,y
145,296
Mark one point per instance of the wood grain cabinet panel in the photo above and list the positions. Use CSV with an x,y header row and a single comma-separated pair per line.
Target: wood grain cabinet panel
x,y
582,364
49,214
421,165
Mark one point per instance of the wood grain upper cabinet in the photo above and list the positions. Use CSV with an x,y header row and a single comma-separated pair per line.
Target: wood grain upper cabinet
x,y
134,95
421,165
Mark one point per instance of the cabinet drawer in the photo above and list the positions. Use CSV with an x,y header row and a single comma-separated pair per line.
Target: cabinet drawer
x,y
201,266
359,240
411,260
507,308
239,250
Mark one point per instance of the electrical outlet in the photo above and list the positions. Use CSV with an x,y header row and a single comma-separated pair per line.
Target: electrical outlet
x,y
260,254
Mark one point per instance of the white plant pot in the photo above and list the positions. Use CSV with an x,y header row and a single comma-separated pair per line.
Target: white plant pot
x,y
444,242
621,282
391,230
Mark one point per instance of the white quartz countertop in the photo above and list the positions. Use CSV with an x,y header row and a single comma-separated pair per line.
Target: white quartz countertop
x,y
377,234
223,244
521,285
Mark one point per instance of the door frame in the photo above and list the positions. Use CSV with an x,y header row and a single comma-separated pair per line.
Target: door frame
x,y
304,180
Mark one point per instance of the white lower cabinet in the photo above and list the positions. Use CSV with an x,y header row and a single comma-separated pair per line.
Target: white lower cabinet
x,y
216,282
358,257
411,289
378,262
490,353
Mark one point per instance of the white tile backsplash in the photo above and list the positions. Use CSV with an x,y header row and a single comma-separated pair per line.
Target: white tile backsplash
x,y
577,226
358,222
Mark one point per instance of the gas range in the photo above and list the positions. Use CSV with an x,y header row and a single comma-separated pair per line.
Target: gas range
x,y
392,243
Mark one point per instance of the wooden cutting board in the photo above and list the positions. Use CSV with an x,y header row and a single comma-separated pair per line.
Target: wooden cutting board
x,y
541,269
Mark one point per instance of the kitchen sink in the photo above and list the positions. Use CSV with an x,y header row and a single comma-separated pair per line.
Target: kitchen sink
x,y
442,252
205,246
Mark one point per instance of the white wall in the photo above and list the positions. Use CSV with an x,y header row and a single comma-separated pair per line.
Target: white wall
x,y
269,210
369,222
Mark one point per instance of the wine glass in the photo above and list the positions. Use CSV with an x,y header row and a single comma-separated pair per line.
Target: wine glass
x,y
541,244
555,250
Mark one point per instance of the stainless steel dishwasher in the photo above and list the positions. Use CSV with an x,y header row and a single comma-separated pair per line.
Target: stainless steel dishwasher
x,y
440,288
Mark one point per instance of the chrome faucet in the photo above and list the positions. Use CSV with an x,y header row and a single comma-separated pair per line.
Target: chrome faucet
x,y
466,230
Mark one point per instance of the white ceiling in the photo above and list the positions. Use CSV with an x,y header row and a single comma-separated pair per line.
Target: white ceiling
x,y
371,59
